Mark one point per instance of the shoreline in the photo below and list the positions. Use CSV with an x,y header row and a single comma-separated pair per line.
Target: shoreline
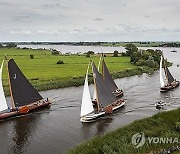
x,y
79,80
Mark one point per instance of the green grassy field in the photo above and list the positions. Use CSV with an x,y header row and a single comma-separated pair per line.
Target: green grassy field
x,y
162,125
44,73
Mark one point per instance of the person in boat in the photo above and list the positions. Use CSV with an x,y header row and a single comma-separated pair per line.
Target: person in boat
x,y
9,110
14,109
117,91
160,105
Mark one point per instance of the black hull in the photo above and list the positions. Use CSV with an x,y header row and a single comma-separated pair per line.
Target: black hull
x,y
169,87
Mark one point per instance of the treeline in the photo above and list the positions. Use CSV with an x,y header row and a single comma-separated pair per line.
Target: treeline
x,y
59,43
8,45
102,43
149,57
171,44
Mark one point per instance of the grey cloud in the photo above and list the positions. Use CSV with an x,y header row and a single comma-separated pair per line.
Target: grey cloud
x,y
62,16
52,5
98,19
146,16
177,30
21,18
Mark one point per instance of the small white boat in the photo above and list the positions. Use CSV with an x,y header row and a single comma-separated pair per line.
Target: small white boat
x,y
160,105
91,117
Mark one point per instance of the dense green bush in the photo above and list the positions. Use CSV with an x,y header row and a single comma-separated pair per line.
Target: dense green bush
x,y
1,46
60,62
90,52
130,49
177,126
115,54
88,55
149,57
11,45
54,52
31,56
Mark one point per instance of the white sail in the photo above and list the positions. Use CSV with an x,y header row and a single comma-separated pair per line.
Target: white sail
x,y
3,103
94,95
86,106
161,77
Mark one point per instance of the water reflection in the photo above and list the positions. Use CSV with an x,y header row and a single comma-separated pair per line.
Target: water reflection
x,y
24,127
103,124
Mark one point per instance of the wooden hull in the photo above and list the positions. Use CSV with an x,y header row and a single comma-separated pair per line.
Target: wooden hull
x,y
25,109
107,110
8,115
119,95
169,87
35,106
114,106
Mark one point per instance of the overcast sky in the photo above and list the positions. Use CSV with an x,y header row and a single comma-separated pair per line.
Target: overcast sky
x,y
89,20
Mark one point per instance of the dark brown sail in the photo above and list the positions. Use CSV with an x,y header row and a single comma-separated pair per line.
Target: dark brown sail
x,y
168,74
23,92
104,94
170,77
108,78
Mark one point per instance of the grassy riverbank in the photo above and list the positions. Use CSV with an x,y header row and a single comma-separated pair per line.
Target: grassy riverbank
x,y
44,73
162,125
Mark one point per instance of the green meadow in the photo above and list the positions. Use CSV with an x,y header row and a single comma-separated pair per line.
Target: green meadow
x,y
44,73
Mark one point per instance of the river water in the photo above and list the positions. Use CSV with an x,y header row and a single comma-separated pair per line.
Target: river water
x,y
58,128
76,49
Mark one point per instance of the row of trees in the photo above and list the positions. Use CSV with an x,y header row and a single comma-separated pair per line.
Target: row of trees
x,y
8,45
149,57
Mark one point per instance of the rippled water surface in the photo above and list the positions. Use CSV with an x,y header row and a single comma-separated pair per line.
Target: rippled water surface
x,y
57,128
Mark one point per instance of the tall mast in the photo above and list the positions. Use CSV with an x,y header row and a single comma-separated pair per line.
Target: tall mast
x,y
94,94
160,73
165,69
95,90
99,62
10,89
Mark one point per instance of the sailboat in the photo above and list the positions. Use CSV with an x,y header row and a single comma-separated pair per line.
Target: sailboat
x,y
169,82
3,104
24,96
88,113
106,101
110,82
